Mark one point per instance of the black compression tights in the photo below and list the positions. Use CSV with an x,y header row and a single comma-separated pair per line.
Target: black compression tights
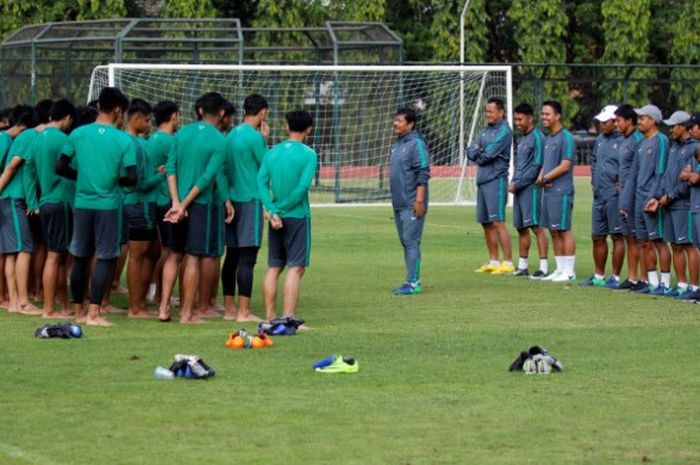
x,y
238,267
101,278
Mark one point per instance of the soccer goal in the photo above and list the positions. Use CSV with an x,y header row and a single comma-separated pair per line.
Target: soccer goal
x,y
353,108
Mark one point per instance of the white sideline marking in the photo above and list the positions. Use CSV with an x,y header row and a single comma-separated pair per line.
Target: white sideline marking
x,y
30,457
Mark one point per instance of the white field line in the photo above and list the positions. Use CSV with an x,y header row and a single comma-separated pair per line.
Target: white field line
x,y
29,457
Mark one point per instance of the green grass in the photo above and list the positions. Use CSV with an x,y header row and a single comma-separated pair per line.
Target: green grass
x,y
433,387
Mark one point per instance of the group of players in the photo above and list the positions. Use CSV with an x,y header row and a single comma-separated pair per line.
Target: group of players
x,y
646,196
97,184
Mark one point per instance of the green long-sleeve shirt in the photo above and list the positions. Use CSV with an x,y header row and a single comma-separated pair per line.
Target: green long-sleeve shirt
x,y
285,177
149,179
23,184
45,152
157,150
245,150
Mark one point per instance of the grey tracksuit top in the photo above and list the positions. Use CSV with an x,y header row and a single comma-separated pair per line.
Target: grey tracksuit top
x,y
652,157
628,169
491,151
678,192
605,165
528,159
410,168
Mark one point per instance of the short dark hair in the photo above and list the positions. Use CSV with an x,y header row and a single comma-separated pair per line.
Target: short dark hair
x,y
498,102
524,109
43,110
17,111
555,105
163,111
299,120
212,103
254,104
110,99
138,105
28,119
93,104
409,114
5,113
62,108
84,114
626,111
229,108
197,106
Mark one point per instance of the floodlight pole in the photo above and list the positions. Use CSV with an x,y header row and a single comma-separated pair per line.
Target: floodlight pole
x,y
461,81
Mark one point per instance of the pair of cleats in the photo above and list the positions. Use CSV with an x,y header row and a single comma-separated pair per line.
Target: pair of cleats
x,y
610,283
557,276
661,290
336,364
242,340
640,287
539,274
501,269
408,289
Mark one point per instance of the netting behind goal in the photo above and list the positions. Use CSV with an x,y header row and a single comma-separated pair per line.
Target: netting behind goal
x,y
353,109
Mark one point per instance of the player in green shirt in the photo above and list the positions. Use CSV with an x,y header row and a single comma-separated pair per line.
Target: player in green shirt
x,y
57,195
166,115
284,180
195,158
16,242
245,150
104,160
140,211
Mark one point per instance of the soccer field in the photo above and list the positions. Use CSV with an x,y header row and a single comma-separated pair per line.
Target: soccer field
x,y
433,385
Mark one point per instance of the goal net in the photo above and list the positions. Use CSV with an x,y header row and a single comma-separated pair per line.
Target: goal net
x,y
353,108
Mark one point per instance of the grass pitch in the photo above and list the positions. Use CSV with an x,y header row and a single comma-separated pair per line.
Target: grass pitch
x,y
433,386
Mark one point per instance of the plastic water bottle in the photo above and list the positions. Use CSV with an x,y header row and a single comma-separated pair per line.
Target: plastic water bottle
x,y
163,373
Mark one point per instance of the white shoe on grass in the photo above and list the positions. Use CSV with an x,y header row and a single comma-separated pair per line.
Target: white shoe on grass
x,y
563,277
552,276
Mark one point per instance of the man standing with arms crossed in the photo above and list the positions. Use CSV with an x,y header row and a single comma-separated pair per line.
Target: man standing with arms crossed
x,y
527,204
410,172
284,180
557,179
605,212
491,152
626,123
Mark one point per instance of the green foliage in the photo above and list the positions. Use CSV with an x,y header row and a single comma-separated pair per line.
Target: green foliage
x,y
100,9
686,50
188,9
626,28
445,30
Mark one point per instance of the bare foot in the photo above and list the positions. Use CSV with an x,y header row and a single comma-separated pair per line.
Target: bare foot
x,y
192,321
112,309
142,314
216,308
52,314
119,289
4,304
164,316
29,309
248,317
208,314
230,316
98,321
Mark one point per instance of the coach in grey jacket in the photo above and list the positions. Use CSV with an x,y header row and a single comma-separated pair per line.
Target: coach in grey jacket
x,y
410,172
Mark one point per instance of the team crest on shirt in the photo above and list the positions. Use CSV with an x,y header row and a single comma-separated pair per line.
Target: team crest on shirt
x,y
101,131
615,146
649,151
200,127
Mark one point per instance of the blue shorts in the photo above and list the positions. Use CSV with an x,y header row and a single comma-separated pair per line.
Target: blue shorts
x,y
605,217
15,233
491,198
291,245
246,228
527,207
678,227
557,209
650,226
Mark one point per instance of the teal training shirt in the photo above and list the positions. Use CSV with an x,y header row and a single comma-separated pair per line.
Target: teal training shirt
x,y
245,150
285,177
100,153
22,186
195,157
45,152
145,189
157,150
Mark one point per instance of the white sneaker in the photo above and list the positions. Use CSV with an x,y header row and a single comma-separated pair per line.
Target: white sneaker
x,y
563,277
552,276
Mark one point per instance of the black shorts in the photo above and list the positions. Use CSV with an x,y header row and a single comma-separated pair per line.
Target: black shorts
x,y
15,234
57,225
36,228
291,245
141,221
98,231
201,233
166,231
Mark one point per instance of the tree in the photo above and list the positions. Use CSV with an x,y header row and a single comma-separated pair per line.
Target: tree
x,y
685,50
626,31
188,9
100,9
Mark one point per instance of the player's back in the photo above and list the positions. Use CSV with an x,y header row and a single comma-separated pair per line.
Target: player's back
x,y
21,147
101,153
288,163
46,151
245,150
157,150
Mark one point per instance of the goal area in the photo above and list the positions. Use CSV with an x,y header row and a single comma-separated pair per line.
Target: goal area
x,y
352,107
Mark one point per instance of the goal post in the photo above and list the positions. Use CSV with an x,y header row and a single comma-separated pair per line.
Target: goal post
x,y
353,108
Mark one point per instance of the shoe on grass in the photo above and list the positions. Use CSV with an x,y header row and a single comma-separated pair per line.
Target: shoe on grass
x,y
340,365
625,285
408,289
593,281
486,268
503,268
612,283
563,277
539,275
641,288
520,272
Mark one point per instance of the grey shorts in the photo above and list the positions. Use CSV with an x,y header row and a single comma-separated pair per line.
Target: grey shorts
x,y
246,228
57,225
291,245
629,228
557,209
679,227
15,233
605,217
696,227
203,231
527,207
491,198
650,226
97,231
